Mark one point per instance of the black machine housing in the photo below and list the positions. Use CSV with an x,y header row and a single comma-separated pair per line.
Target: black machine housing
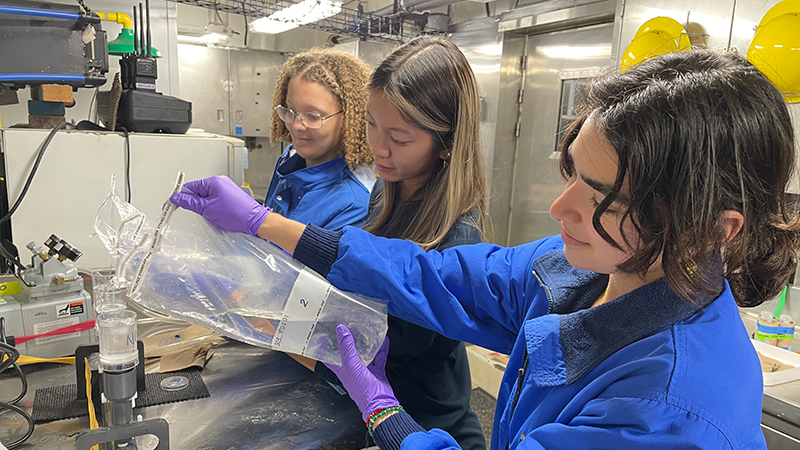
x,y
44,43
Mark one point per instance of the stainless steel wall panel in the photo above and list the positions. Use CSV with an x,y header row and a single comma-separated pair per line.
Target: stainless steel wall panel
x,y
483,46
748,14
540,20
203,74
709,22
253,76
577,53
505,140
486,52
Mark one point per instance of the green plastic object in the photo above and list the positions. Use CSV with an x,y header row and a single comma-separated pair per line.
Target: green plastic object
x,y
781,301
124,44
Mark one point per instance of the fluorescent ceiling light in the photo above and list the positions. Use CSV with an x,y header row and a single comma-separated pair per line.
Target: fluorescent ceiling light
x,y
307,11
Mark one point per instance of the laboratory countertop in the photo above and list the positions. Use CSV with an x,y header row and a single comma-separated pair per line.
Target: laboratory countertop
x,y
780,405
260,399
783,400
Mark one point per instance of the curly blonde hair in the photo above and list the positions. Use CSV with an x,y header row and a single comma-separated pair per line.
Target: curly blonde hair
x,y
345,76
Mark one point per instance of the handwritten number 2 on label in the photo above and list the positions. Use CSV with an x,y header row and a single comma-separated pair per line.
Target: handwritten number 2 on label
x,y
304,302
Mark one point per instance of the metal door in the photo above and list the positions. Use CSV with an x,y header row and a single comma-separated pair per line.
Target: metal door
x,y
204,79
556,64
253,77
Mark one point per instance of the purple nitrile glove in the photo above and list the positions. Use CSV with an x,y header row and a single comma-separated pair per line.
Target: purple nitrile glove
x,y
221,201
367,385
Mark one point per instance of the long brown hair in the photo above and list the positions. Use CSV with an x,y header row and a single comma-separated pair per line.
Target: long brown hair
x,y
696,134
431,84
345,76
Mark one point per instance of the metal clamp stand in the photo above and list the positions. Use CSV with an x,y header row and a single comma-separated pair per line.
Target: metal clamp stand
x,y
158,427
119,389
83,352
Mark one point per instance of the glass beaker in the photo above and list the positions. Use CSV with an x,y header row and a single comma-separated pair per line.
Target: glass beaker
x,y
108,293
116,332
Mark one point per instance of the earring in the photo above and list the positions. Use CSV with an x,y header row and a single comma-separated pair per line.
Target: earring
x,y
449,153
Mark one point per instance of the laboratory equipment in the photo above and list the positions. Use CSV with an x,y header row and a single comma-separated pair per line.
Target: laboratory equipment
x,y
57,44
108,293
777,331
238,285
141,108
251,290
122,375
52,300
116,333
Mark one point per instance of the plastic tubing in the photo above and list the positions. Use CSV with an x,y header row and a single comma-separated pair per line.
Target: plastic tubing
x,y
38,12
117,17
41,76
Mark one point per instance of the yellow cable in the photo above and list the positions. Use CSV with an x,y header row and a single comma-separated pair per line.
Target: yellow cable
x,y
33,360
93,425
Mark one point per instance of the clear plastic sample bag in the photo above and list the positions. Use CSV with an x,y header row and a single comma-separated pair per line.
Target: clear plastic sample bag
x,y
239,285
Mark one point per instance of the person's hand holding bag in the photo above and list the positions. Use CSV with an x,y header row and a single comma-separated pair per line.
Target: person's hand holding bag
x,y
221,201
367,385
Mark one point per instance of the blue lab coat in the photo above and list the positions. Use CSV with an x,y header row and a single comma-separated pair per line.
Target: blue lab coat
x,y
328,195
646,370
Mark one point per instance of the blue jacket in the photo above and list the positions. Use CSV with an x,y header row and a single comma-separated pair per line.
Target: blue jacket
x,y
646,370
329,195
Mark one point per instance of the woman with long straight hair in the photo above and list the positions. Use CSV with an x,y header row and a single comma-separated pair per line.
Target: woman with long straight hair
x,y
423,125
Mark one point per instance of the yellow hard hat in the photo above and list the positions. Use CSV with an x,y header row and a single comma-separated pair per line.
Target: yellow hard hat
x,y
666,24
781,8
775,50
650,44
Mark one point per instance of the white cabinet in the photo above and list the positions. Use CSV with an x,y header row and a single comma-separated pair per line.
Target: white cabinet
x,y
75,173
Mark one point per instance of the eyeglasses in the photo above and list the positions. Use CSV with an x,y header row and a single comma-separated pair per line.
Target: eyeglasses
x,y
310,120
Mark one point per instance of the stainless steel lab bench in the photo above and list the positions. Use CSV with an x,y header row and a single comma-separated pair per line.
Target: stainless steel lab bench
x,y
260,399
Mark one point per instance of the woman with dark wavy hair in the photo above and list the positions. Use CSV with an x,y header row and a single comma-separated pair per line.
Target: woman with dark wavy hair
x,y
623,331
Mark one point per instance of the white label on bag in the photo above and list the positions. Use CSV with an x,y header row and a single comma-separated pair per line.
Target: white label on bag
x,y
301,312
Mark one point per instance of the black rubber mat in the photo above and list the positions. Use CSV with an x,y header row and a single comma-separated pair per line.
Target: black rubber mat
x,y
59,402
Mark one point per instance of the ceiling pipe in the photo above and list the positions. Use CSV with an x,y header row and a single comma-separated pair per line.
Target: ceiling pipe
x,y
431,4
413,5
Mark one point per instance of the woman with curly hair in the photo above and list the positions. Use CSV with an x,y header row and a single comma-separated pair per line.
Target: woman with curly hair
x,y
318,107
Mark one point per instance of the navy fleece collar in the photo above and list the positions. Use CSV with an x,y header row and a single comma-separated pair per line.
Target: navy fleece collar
x,y
574,338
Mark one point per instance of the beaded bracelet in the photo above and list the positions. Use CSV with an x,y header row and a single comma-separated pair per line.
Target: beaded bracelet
x,y
373,415
378,414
